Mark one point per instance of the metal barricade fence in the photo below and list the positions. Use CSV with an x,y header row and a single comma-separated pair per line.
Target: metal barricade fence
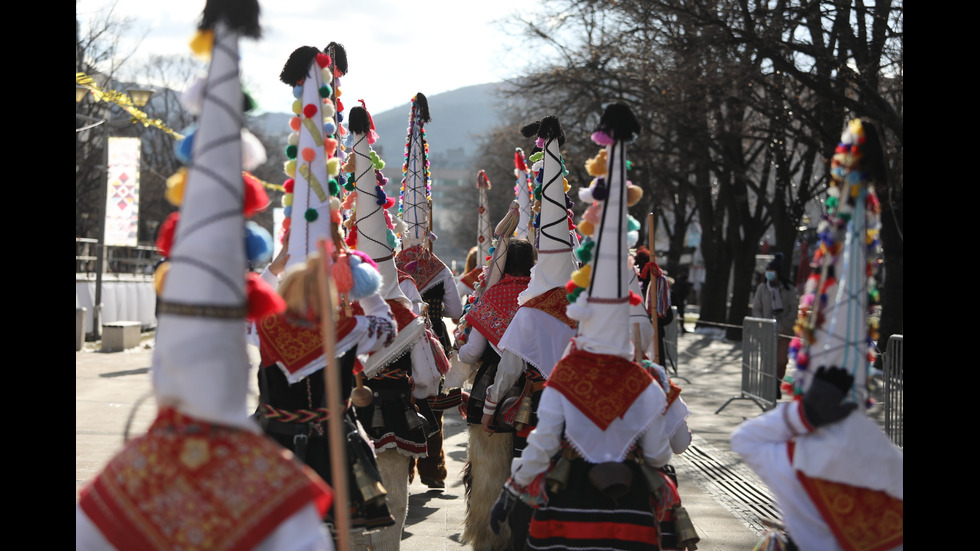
x,y
758,363
895,389
671,330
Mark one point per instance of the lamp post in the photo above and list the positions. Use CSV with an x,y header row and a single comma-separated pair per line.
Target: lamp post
x,y
140,97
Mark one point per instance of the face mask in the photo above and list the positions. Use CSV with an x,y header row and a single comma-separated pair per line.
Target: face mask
x,y
770,276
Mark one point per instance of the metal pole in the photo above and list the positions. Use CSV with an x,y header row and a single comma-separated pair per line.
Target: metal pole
x,y
100,247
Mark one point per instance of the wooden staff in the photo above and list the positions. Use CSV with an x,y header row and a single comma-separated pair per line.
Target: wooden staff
x,y
652,291
335,407
637,353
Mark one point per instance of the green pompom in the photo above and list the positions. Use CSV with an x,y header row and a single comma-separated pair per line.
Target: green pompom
x,y
584,252
536,157
311,215
325,91
291,151
334,187
633,224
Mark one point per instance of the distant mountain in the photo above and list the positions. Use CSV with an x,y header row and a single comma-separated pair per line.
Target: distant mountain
x,y
459,118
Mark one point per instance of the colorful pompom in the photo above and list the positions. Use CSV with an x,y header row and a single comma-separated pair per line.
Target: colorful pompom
x,y
258,243
263,300
175,187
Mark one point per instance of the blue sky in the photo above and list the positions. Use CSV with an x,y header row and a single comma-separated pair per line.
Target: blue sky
x,y
395,47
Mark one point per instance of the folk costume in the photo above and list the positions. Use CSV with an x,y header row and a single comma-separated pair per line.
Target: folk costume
x,y
821,451
203,476
407,372
540,331
523,188
433,279
609,435
292,390
478,334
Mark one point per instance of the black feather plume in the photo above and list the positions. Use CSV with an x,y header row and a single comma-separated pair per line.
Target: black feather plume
x,y
530,130
550,129
422,108
358,120
339,56
298,65
242,16
619,122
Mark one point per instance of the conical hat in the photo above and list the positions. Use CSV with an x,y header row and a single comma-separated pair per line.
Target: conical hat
x,y
484,233
522,191
493,271
553,238
415,210
415,201
312,148
374,230
200,365
602,305
833,329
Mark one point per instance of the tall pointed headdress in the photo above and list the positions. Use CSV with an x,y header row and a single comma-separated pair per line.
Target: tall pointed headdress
x,y
493,271
522,191
599,291
415,202
834,325
373,229
552,224
484,232
200,363
312,147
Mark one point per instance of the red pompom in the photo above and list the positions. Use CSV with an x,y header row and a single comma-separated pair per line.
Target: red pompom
x,y
165,239
635,299
256,199
340,106
263,300
390,202
351,238
287,186
309,110
323,60
571,286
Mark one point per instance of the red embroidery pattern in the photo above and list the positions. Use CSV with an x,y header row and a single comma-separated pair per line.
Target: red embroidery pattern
x,y
553,302
672,393
497,306
471,277
295,346
861,519
191,485
427,265
403,315
601,386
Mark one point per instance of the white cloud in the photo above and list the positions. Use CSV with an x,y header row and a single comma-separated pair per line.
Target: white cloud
x,y
395,48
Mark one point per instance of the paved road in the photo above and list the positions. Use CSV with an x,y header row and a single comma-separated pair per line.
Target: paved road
x,y
724,498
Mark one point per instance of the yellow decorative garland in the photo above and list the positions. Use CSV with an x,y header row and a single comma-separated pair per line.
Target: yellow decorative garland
x,y
123,100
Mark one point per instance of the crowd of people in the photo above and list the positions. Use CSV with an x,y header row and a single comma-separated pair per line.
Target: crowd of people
x,y
554,363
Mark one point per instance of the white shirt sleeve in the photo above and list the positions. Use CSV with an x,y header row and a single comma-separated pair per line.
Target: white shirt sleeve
x,y
303,531
508,371
762,443
543,442
452,305
472,351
